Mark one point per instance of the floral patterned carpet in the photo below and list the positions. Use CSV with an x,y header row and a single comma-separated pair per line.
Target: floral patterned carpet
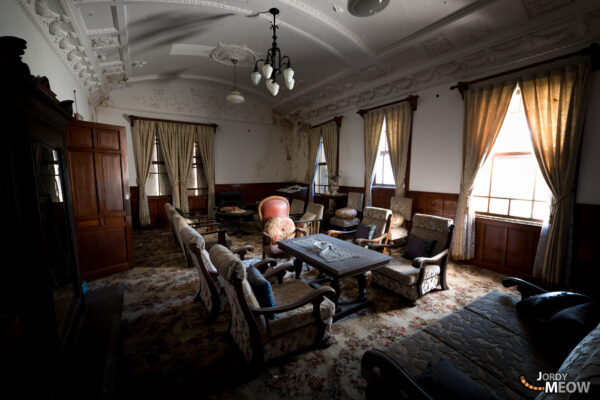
x,y
171,351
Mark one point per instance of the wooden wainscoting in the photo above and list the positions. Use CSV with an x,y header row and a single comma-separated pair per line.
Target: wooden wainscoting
x,y
505,246
433,203
586,272
251,193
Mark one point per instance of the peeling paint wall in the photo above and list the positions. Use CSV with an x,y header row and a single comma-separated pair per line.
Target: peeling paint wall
x,y
249,148
295,143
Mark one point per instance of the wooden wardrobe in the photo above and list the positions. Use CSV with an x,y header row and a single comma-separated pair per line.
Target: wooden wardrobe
x,y
96,157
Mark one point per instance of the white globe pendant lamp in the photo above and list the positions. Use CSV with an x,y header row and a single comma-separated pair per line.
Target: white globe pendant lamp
x,y
234,97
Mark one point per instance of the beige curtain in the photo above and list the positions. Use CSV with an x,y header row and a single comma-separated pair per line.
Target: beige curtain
x,y
177,144
555,103
205,136
373,124
143,140
398,122
484,111
314,136
329,131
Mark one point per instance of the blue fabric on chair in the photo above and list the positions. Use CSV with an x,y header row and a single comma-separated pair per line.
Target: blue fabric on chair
x,y
365,231
261,287
418,247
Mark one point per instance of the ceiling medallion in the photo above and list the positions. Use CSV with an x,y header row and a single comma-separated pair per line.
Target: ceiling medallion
x,y
366,8
274,63
224,53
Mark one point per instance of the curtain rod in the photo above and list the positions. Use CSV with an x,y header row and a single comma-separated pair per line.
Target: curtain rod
x,y
134,117
592,50
337,120
412,99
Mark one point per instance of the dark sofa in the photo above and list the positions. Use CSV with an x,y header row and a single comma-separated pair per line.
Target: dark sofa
x,y
488,341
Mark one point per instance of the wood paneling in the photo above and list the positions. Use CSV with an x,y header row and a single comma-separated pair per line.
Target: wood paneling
x,y
586,272
440,204
505,246
99,178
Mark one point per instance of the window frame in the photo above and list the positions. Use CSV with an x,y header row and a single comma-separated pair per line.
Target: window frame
x,y
317,177
158,148
386,151
489,197
197,161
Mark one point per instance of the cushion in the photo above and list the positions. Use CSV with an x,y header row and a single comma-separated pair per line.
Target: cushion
x,y
280,228
365,231
565,329
206,261
418,247
542,306
443,381
260,286
400,270
308,216
396,220
344,222
346,212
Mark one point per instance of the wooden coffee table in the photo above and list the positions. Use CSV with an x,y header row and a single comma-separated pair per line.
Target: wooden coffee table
x,y
239,217
363,260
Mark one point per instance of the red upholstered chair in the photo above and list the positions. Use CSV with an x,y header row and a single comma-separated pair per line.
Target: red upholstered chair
x,y
274,214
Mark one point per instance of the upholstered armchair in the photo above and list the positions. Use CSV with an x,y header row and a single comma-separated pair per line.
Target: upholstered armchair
x,y
414,278
301,317
373,229
401,214
210,291
311,220
296,208
349,216
274,213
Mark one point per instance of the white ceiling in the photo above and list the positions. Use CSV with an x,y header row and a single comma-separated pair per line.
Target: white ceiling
x,y
341,61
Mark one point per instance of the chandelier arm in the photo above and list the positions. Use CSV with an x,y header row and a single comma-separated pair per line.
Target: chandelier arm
x,y
288,63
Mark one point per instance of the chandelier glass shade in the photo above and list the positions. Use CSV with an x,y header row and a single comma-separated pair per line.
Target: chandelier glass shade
x,y
274,64
234,97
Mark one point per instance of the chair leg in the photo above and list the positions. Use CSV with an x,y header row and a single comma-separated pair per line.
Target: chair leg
x,y
443,281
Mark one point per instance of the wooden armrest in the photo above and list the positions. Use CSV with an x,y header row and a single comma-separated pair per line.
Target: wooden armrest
x,y
527,289
211,232
312,297
420,262
305,221
296,215
382,246
279,269
242,250
386,379
333,232
365,241
265,263
204,224
301,230
268,237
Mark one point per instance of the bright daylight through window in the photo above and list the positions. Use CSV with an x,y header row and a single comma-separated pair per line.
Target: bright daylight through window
x,y
510,183
321,183
383,166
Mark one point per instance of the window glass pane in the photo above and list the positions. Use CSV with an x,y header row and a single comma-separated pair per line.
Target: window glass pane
x,y
383,166
513,176
152,185
164,184
482,182
541,210
388,174
499,206
479,204
542,191
514,136
520,208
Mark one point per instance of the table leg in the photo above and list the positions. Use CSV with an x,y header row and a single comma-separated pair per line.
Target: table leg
x,y
239,227
298,267
335,285
362,287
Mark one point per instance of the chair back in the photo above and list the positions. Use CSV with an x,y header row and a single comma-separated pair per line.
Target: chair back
x,y
378,217
178,224
401,206
313,227
273,206
355,201
432,227
297,206
246,330
199,258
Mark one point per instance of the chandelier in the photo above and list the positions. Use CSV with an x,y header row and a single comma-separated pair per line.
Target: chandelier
x,y
274,64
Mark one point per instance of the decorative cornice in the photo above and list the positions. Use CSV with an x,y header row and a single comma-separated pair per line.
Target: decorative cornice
x,y
552,39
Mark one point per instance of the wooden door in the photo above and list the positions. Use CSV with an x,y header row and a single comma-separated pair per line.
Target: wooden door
x,y
96,156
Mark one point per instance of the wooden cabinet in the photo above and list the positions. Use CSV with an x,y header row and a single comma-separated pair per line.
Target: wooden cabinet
x,y
96,156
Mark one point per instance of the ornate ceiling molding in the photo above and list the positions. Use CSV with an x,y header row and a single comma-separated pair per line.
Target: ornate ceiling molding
x,y
552,40
61,32
224,53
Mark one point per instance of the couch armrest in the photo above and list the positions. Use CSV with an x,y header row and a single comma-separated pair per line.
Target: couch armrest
x,y
420,262
386,379
315,297
264,264
280,270
242,250
527,289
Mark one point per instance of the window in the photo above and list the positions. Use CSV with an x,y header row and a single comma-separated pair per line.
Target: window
x,y
321,183
384,175
196,181
510,183
158,183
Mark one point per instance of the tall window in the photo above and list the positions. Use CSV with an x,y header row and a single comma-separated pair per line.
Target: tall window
x,y
321,183
196,181
384,175
158,183
510,183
